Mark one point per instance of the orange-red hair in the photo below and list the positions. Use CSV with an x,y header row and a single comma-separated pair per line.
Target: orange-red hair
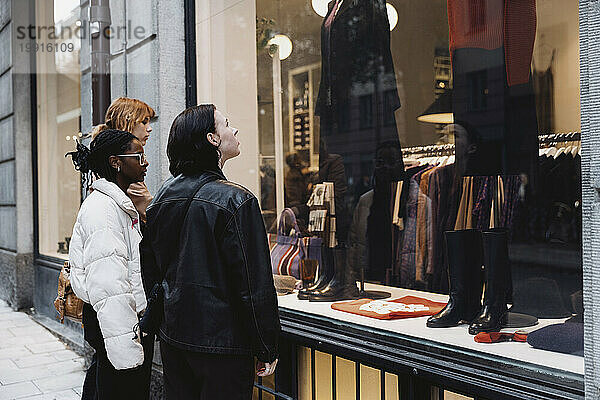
x,y
124,114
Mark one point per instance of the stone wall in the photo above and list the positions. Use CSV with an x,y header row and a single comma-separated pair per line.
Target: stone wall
x,y
16,199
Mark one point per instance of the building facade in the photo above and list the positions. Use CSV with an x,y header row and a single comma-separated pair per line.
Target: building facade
x,y
270,66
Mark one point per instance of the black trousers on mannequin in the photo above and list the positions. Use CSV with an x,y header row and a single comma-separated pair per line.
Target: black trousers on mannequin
x,y
501,120
205,376
102,380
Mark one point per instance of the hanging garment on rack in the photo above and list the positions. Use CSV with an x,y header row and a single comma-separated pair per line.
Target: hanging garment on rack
x,y
423,226
482,202
512,188
552,214
543,87
399,244
445,196
408,256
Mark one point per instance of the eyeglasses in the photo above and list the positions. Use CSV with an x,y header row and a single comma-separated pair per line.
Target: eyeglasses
x,y
140,156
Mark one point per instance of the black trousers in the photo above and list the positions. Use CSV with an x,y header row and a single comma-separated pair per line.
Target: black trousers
x,y
102,380
206,376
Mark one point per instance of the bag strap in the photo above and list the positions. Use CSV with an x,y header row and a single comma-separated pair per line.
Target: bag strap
x,y
290,213
188,203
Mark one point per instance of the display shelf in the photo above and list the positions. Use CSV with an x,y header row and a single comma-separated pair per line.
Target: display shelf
x,y
446,355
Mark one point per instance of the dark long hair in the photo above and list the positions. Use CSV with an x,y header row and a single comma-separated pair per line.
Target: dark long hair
x,y
188,148
109,142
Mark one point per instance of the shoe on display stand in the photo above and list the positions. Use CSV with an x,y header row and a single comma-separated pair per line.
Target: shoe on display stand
x,y
370,294
494,314
343,284
466,279
326,274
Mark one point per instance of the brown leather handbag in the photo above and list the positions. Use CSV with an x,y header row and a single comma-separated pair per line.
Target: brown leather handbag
x,y
67,304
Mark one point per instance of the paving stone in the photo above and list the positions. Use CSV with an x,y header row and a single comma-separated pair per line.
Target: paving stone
x,y
36,359
14,322
34,364
14,315
68,366
64,355
29,330
18,390
23,340
10,376
19,322
62,395
60,382
14,352
45,347
5,333
7,364
7,316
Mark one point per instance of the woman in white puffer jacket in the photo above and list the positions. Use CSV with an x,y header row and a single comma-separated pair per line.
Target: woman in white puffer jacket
x,y
105,268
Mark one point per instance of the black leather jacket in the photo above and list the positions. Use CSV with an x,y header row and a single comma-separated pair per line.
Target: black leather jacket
x,y
219,292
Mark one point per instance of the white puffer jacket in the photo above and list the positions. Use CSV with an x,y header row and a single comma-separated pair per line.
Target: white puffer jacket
x,y
105,269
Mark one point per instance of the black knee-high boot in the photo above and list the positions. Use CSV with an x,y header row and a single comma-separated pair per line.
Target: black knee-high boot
x,y
465,276
497,282
342,286
326,273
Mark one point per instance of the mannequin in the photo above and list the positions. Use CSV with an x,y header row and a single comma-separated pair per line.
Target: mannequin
x,y
357,74
491,42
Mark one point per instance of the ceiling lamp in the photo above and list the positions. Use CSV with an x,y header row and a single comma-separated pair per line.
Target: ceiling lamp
x,y
284,43
440,111
392,15
320,7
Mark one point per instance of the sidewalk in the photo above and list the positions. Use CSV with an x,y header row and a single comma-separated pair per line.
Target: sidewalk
x,y
34,364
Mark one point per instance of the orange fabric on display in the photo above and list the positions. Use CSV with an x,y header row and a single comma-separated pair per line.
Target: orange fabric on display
x,y
353,307
491,24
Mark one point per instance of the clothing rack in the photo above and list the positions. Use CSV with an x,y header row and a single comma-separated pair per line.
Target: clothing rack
x,y
555,138
430,150
544,140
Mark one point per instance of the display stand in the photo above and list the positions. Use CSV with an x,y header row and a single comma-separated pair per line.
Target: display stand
x,y
370,294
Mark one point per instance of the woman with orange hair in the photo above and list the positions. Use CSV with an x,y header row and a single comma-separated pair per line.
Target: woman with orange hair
x,y
131,115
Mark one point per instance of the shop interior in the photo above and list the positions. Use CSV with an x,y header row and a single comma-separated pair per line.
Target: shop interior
x,y
479,146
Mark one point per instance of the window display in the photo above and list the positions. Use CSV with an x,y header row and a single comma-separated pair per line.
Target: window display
x,y
432,147
58,125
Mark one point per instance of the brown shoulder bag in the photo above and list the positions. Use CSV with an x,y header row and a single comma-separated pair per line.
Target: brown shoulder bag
x,y
67,304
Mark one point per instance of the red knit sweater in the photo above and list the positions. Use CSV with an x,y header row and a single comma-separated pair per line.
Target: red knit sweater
x,y
490,24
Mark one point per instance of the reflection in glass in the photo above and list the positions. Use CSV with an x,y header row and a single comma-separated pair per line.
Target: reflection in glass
x,y
487,164
58,113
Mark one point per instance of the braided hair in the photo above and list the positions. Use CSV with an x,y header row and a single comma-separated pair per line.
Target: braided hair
x,y
109,142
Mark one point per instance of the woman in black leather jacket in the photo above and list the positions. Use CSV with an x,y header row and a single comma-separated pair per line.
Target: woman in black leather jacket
x,y
220,305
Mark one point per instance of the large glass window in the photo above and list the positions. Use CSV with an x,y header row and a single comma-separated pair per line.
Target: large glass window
x,y
58,117
491,81
447,129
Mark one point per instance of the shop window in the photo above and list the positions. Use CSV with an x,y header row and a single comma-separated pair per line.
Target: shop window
x,y
58,122
419,123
